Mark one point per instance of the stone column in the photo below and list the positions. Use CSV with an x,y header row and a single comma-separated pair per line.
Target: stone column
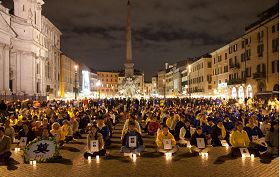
x,y
6,66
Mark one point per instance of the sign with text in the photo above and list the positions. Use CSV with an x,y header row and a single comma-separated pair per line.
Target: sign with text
x,y
132,143
200,143
22,141
94,146
167,144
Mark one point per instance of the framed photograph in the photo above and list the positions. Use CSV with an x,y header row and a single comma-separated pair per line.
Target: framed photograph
x,y
132,143
22,141
200,143
167,144
94,146
244,152
255,138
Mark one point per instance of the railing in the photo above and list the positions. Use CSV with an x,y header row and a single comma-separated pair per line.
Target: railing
x,y
235,81
236,65
259,75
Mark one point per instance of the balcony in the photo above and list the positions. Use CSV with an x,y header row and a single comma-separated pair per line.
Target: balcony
x,y
236,65
236,81
259,75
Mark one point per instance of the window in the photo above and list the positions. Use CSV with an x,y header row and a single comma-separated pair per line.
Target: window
x,y
220,81
230,62
209,65
275,66
214,60
225,56
225,69
37,68
273,29
260,50
242,57
275,45
260,36
248,54
243,44
229,50
235,47
248,72
38,87
261,68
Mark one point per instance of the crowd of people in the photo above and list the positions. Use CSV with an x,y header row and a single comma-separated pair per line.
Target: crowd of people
x,y
198,123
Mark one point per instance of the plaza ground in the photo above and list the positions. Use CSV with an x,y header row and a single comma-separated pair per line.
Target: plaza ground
x,y
149,164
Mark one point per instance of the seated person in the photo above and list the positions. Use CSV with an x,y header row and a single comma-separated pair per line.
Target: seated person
x,y
125,127
194,140
178,126
228,124
219,133
153,126
37,129
75,127
67,131
132,146
162,138
57,133
265,126
238,139
26,132
9,131
207,129
272,138
104,130
252,129
95,135
185,132
45,133
5,145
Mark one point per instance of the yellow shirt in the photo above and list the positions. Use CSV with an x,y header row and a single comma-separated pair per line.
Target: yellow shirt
x,y
239,139
161,137
169,122
57,134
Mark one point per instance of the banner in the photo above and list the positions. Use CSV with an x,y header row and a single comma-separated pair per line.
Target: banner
x,y
41,150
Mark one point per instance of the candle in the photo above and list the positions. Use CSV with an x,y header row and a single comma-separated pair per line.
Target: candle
x,y
97,157
89,158
243,156
30,162
133,155
34,162
252,156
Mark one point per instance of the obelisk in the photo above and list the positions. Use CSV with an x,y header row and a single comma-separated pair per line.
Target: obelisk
x,y
129,65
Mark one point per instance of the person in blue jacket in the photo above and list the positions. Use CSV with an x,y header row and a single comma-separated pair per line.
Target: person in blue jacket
x,y
104,130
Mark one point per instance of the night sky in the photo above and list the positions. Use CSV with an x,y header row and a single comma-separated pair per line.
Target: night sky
x,y
163,30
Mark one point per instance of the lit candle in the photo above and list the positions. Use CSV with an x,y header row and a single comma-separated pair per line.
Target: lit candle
x,y
206,154
252,156
97,157
243,156
89,158
30,162
133,155
34,162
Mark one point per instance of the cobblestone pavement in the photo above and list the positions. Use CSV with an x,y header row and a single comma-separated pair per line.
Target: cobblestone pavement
x,y
149,164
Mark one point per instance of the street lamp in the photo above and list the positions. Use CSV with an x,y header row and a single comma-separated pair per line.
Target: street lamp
x,y
98,84
164,88
76,87
189,68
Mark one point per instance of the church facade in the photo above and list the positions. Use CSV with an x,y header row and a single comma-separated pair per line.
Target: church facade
x,y
29,51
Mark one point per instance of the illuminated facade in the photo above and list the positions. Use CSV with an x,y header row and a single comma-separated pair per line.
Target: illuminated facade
x,y
109,83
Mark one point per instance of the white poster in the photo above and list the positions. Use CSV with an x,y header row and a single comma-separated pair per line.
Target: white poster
x,y
200,143
167,144
132,143
224,143
94,146
244,152
255,139
22,141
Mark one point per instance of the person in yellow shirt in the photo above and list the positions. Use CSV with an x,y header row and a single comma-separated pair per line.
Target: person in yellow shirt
x,y
162,139
57,133
238,139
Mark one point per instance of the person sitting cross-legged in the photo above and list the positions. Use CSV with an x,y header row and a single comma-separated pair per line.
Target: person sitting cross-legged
x,y
185,132
5,145
166,142
95,143
132,141
199,142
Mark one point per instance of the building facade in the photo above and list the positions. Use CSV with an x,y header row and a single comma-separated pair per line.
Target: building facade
x,y
69,77
108,83
30,51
